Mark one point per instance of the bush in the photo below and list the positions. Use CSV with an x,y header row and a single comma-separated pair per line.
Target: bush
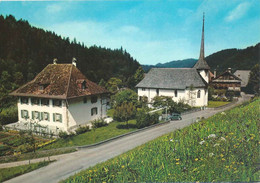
x,y
144,119
9,115
82,129
63,134
98,123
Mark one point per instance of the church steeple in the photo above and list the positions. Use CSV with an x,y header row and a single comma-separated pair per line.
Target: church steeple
x,y
202,64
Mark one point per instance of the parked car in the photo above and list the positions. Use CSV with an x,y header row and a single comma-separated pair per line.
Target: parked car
x,y
174,116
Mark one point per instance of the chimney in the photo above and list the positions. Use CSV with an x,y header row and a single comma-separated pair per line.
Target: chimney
x,y
229,70
215,73
74,60
55,61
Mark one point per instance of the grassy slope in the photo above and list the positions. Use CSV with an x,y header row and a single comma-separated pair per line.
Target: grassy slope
x,y
92,137
230,156
216,103
8,173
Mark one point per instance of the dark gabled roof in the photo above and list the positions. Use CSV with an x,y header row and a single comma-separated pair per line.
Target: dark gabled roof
x,y
59,81
244,76
218,79
172,78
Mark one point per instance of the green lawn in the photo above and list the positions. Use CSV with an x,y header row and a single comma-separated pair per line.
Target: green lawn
x,y
92,136
8,173
223,148
216,103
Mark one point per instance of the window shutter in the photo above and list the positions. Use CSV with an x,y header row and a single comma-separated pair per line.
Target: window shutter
x,y
41,116
22,114
53,117
32,114
48,116
60,118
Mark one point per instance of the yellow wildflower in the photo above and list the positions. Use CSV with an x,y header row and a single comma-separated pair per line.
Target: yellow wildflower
x,y
223,159
227,166
123,166
242,163
177,163
177,159
222,155
196,159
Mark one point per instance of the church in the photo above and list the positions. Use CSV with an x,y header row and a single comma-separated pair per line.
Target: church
x,y
189,85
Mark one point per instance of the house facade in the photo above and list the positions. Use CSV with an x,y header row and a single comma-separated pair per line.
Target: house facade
x,y
189,85
227,81
61,98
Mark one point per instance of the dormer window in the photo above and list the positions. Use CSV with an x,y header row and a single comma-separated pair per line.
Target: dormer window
x,y
81,84
41,87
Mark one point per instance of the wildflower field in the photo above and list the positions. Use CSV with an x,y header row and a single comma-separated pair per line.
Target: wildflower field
x,y
224,147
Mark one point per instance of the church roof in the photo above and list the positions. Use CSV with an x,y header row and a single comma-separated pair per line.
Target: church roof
x,y
60,81
172,78
202,64
243,75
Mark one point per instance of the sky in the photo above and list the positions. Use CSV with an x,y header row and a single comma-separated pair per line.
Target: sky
x,y
152,31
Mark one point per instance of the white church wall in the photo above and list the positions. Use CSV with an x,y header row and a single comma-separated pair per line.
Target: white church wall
x,y
182,95
204,75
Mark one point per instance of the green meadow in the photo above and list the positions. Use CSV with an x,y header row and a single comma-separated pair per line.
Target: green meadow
x,y
225,147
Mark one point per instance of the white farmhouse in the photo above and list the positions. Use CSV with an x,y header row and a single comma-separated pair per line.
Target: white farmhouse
x,y
177,82
61,98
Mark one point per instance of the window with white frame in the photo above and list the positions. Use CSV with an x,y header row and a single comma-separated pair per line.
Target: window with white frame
x,y
56,103
24,100
24,114
93,99
45,101
94,111
35,115
45,116
85,100
57,117
143,89
35,101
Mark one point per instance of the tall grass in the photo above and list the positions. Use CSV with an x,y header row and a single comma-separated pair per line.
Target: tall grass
x,y
224,147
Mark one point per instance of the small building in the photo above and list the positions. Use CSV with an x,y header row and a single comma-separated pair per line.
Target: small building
x,y
60,98
227,81
244,76
189,85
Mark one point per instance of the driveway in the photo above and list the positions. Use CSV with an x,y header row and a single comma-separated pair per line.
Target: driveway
x,y
69,164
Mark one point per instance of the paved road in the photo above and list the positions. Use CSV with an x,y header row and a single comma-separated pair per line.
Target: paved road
x,y
69,164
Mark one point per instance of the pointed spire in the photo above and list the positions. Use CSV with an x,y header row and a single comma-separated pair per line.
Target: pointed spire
x,y
202,40
202,64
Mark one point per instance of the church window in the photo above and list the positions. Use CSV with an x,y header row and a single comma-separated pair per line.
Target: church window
x,y
198,94
175,93
157,92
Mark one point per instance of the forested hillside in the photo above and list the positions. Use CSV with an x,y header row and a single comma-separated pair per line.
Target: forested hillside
x,y
243,59
26,50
